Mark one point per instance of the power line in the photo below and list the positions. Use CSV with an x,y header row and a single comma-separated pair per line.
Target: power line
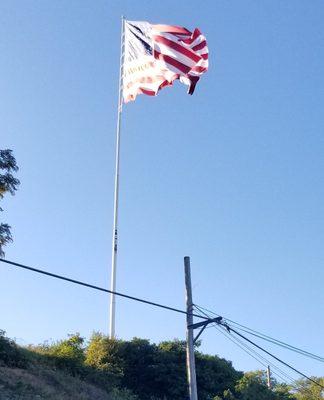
x,y
249,350
231,329
270,354
313,357
281,374
61,277
270,339
64,278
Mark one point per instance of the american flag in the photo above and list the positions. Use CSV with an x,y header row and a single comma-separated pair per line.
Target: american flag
x,y
156,55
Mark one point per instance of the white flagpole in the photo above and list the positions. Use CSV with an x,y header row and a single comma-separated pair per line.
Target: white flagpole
x,y
115,222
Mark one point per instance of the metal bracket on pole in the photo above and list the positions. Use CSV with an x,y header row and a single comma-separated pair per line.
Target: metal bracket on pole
x,y
203,326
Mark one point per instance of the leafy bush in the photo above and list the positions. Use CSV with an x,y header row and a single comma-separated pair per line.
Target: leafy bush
x,y
122,394
65,354
10,354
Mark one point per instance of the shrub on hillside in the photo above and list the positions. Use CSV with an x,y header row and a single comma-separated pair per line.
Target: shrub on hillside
x,y
133,362
10,354
69,355
103,354
65,354
122,394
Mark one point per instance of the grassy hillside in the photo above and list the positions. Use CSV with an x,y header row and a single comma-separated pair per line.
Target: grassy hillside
x,y
27,374
47,384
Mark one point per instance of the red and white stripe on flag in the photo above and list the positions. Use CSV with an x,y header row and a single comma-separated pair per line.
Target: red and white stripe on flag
x,y
156,55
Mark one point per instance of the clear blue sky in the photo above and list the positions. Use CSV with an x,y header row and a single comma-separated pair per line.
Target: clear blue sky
x,y
232,176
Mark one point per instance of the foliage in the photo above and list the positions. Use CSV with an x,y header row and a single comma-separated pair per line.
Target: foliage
x,y
171,370
252,386
67,354
158,371
8,183
70,356
102,354
10,354
117,369
215,375
122,394
283,391
5,237
306,390
131,362
228,395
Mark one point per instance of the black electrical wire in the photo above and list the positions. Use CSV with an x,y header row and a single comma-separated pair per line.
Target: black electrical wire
x,y
152,304
282,374
64,278
269,338
292,383
296,350
270,354
249,350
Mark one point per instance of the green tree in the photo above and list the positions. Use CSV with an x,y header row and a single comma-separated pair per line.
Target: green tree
x,y
159,371
102,354
171,378
253,386
228,395
307,390
133,362
283,391
8,184
214,376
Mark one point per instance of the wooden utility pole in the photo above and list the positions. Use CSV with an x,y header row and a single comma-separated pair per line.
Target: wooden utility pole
x,y
191,368
269,377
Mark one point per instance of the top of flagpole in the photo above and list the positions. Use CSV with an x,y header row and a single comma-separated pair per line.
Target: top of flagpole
x,y
121,71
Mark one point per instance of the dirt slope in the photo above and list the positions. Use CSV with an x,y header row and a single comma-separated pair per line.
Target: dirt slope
x,y
46,384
